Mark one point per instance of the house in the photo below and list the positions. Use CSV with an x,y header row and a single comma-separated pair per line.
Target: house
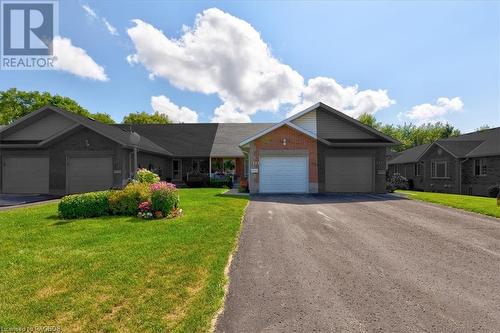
x,y
466,164
317,150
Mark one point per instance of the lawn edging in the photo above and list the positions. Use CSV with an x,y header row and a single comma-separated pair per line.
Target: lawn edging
x,y
227,269
473,204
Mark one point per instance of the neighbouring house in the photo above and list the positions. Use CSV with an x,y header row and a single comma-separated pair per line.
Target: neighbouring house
x,y
466,164
317,150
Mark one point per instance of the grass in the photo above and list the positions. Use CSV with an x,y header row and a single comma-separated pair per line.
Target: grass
x,y
118,274
481,205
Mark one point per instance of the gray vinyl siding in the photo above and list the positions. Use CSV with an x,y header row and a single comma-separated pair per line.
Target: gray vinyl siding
x,y
307,122
41,129
330,126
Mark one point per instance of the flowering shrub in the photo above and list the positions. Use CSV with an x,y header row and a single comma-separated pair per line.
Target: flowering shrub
x,y
163,186
145,211
146,176
126,201
397,182
164,197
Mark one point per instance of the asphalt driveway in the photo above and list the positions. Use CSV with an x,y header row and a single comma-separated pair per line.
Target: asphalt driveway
x,y
8,200
363,263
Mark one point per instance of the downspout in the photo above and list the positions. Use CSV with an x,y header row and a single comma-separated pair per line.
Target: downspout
x,y
460,174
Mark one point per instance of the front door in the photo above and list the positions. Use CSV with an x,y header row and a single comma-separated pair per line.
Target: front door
x,y
176,170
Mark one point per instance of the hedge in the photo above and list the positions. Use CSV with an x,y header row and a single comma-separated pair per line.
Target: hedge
x,y
84,205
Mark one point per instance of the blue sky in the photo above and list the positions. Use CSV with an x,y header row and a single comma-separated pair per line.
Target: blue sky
x,y
411,61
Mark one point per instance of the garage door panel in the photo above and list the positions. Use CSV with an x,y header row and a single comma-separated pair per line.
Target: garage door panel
x,y
25,175
284,174
88,174
349,174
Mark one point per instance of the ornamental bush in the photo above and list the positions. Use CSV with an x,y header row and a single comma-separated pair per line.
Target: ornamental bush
x,y
164,197
397,182
493,191
126,201
84,205
146,176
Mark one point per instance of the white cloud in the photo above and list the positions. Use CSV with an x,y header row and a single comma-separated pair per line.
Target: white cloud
x,y
89,11
227,113
75,60
346,99
93,15
427,112
221,54
176,114
224,55
112,30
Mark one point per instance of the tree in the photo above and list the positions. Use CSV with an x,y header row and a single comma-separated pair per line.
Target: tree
x,y
146,118
103,118
483,128
15,104
411,135
369,119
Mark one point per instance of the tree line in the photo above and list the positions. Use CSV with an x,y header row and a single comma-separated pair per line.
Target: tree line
x,y
411,135
15,104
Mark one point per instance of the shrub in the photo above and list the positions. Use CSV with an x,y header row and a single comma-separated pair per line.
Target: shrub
x,y
493,191
145,210
126,201
84,205
164,198
397,182
146,176
227,182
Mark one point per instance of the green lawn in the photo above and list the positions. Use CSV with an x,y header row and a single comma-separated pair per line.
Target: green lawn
x,y
118,274
481,205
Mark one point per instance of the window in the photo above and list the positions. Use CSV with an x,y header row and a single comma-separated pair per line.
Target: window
x,y
397,168
418,169
439,169
480,167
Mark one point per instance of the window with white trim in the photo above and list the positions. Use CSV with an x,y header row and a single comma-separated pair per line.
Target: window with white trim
x,y
418,169
439,169
480,167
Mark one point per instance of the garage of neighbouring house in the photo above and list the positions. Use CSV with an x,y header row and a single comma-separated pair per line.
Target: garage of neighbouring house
x,y
25,174
52,151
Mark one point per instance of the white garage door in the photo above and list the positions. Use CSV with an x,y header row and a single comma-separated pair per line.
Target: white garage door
x,y
25,175
349,174
283,174
88,174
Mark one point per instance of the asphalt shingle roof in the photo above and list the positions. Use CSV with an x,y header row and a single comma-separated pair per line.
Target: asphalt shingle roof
x,y
459,148
114,133
186,140
229,136
475,144
410,155
183,140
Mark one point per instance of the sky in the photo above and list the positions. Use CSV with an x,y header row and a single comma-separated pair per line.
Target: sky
x,y
262,61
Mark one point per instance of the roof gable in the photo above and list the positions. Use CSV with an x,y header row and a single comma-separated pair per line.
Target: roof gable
x,y
360,134
115,134
38,129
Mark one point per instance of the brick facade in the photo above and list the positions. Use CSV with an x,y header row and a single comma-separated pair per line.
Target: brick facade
x,y
295,141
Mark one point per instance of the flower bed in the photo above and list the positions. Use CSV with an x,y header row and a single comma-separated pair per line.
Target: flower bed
x,y
139,198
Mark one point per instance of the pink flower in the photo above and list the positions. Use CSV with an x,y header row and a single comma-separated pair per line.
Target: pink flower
x,y
163,186
145,206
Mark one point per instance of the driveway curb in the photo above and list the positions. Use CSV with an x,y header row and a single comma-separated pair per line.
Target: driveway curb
x,y
227,269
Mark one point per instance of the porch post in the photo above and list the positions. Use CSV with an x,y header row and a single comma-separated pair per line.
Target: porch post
x,y
210,167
